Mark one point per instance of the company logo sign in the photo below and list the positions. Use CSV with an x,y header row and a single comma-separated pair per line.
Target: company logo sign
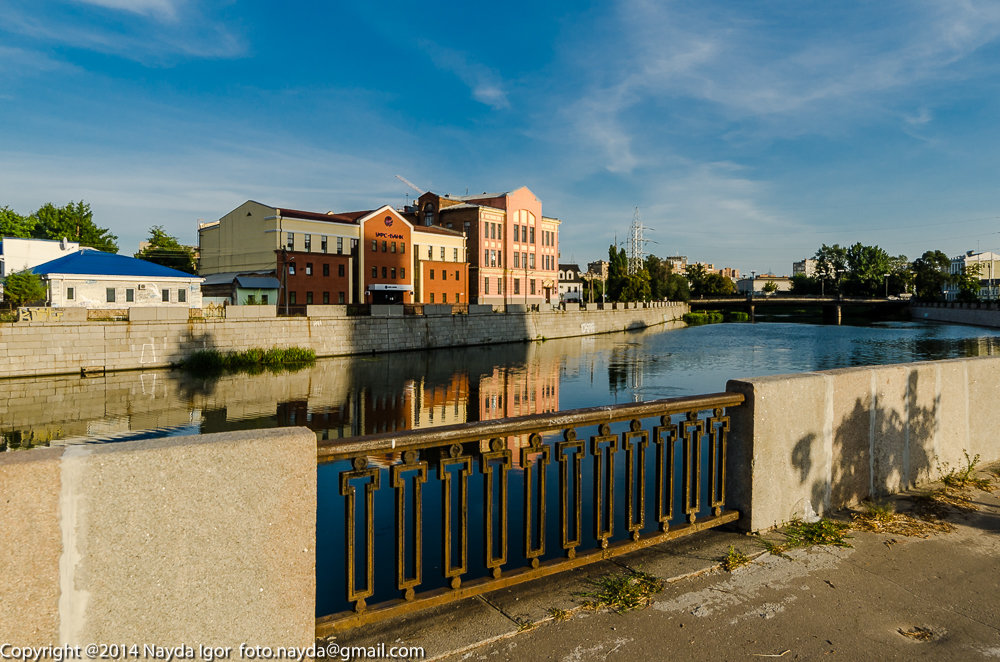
x,y
388,221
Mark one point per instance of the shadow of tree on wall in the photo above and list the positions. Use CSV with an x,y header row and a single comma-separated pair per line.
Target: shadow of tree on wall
x,y
877,450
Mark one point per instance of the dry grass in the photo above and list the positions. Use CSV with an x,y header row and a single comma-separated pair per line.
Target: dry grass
x,y
883,518
806,534
735,559
623,592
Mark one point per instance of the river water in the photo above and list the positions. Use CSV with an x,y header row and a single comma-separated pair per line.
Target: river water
x,y
343,397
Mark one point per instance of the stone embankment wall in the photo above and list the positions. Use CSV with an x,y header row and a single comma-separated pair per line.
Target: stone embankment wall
x,y
819,441
153,338
206,540
979,314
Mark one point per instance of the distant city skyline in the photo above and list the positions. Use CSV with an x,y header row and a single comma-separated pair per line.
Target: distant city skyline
x,y
747,134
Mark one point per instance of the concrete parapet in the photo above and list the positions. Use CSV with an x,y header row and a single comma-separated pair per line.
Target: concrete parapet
x,y
480,309
571,306
379,310
196,540
815,442
251,312
437,309
153,313
335,310
516,308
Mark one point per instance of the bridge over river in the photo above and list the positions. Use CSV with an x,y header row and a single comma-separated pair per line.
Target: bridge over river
x,y
830,308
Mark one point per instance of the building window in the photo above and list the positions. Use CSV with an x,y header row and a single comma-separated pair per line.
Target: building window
x,y
430,252
517,286
402,247
531,283
129,295
499,285
428,214
340,297
402,272
263,299
291,298
531,260
531,238
165,295
323,243
392,273
444,297
374,245
486,257
290,243
182,295
486,230
340,270
309,242
493,258
291,268
70,293
431,274
326,298
385,246
111,295
309,268
326,269
385,272
457,274
432,297
517,233
486,286
340,245
454,254
524,260
309,298
517,262
444,275
374,272
393,247
465,227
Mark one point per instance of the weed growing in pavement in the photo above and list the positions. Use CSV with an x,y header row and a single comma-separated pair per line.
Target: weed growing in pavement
x,y
559,614
735,559
964,478
623,592
806,534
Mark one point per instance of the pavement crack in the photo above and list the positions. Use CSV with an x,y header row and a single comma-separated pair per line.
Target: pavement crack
x,y
500,609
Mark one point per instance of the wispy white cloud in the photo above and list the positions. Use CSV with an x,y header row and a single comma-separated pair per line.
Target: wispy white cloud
x,y
153,32
767,73
165,9
484,83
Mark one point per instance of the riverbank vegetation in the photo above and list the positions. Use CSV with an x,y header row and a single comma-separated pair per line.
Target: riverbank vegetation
x,y
698,318
254,360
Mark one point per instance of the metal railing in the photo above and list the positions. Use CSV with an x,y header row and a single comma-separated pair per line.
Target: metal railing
x,y
546,448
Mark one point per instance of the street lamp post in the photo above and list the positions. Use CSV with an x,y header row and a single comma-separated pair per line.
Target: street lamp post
x,y
886,286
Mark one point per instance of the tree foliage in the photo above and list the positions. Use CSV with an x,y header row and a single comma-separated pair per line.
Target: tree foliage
x,y
930,273
23,287
803,284
967,282
831,262
166,250
75,221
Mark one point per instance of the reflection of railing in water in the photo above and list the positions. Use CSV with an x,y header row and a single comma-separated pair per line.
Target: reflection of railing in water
x,y
454,451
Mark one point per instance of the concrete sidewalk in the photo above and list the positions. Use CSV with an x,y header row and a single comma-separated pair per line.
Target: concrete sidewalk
x,y
887,597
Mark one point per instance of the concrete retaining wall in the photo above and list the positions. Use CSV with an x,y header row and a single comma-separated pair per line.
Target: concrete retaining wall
x,y
49,348
986,314
823,440
188,540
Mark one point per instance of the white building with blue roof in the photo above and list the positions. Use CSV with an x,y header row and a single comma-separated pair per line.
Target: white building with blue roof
x,y
90,278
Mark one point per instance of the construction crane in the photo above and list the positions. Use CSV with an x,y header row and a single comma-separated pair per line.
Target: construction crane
x,y
410,184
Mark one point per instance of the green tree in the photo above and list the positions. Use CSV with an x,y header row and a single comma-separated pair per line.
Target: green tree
x,y
696,274
13,224
770,287
968,283
803,284
716,284
617,271
867,266
75,221
23,287
677,288
166,250
659,276
930,274
831,262
636,287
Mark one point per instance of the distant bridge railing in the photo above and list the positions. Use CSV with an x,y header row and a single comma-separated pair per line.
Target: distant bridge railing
x,y
503,470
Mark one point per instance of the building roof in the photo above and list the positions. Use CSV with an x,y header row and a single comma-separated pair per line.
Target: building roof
x,y
436,229
90,262
468,205
258,282
338,217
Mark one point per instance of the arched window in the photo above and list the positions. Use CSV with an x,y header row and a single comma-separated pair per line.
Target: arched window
x,y
429,214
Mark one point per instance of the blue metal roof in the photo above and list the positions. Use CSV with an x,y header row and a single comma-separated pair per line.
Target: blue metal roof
x,y
258,282
90,262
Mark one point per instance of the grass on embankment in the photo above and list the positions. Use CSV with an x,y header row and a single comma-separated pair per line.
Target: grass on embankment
x,y
254,360
714,317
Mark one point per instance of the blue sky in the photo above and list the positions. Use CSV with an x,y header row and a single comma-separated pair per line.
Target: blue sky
x,y
746,133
